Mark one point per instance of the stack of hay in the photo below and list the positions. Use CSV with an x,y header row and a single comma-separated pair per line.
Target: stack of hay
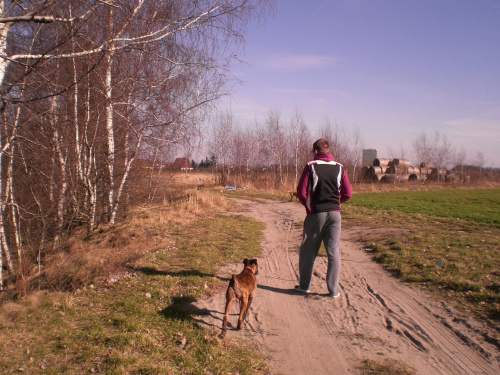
x,y
401,170
441,174
392,171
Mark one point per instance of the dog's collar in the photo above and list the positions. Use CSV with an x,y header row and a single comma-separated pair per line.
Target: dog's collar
x,y
250,268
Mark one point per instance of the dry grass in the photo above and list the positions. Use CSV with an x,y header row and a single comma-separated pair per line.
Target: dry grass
x,y
126,296
146,229
82,259
392,367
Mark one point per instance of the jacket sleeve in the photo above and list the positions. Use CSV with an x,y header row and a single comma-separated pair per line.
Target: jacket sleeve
x,y
302,186
345,188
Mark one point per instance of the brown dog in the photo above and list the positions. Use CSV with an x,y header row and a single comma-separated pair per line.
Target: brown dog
x,y
243,288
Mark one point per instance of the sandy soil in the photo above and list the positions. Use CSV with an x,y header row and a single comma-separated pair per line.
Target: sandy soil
x,y
376,317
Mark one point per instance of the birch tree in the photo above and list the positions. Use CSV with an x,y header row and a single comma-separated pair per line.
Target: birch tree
x,y
480,162
356,146
441,151
338,139
122,74
300,141
275,141
460,162
222,143
422,149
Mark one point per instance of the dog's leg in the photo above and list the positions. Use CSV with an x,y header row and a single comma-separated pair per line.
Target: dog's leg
x,y
250,299
229,302
243,308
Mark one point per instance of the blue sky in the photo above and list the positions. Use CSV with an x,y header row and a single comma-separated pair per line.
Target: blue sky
x,y
392,68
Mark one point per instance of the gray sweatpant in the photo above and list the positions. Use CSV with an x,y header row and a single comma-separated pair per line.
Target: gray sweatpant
x,y
324,226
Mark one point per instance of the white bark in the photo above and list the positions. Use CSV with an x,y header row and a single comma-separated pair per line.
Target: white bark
x,y
14,213
61,200
110,137
4,196
4,249
78,147
124,179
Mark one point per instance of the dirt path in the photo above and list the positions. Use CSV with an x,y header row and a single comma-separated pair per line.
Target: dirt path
x,y
377,317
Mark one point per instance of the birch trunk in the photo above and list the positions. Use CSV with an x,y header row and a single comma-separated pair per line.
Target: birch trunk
x,y
110,139
4,249
14,213
89,165
4,30
61,200
152,190
4,195
124,179
78,149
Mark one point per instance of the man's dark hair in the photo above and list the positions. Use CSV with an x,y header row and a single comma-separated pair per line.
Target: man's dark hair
x,y
321,145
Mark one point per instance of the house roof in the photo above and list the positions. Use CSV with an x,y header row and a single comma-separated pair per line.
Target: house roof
x,y
183,163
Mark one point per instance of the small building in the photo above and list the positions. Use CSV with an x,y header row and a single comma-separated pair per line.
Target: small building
x,y
369,155
184,164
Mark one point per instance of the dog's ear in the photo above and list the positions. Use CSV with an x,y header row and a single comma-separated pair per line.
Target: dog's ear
x,y
245,261
253,261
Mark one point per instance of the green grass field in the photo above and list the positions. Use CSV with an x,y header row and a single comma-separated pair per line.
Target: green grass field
x,y
449,241
481,206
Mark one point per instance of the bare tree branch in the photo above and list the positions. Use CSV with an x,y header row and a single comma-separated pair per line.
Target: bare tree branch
x,y
33,18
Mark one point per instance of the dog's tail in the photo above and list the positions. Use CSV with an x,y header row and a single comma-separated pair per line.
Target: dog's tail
x,y
234,284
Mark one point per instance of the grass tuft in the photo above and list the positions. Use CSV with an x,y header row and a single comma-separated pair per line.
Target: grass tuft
x,y
387,366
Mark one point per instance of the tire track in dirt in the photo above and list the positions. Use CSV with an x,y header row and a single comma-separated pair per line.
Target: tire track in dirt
x,y
377,317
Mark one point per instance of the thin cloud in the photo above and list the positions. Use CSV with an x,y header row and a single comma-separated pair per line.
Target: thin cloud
x,y
294,63
309,91
474,128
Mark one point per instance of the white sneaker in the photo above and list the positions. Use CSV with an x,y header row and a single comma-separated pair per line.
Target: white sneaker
x,y
299,289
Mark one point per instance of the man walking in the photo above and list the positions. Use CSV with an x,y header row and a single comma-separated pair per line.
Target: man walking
x,y
322,187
